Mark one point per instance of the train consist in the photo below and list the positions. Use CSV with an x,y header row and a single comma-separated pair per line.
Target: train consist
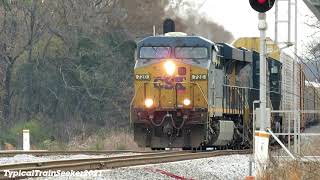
x,y
191,92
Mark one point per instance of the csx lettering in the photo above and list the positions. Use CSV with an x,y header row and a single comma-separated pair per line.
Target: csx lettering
x,y
169,83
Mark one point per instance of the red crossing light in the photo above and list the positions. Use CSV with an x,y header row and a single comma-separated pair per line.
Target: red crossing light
x,y
261,5
261,1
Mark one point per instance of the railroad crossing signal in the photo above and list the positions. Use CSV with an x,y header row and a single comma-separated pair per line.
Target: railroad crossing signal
x,y
262,5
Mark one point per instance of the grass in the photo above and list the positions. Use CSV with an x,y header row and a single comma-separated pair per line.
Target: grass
x,y
105,140
292,170
310,146
307,168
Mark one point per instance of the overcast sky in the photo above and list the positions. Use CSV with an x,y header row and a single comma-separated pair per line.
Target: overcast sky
x,y
238,17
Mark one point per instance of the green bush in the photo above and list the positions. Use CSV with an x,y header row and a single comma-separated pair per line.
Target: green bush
x,y
6,137
38,133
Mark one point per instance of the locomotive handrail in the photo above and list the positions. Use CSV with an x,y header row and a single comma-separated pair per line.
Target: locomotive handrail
x,y
190,82
240,87
134,96
144,85
202,93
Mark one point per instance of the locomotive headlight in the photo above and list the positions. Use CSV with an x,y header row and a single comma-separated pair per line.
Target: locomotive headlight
x,y
170,67
148,103
186,102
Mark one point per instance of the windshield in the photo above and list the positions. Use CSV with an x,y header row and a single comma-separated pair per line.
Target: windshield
x,y
191,52
154,52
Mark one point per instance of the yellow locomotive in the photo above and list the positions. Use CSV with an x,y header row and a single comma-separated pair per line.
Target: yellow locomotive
x,y
192,92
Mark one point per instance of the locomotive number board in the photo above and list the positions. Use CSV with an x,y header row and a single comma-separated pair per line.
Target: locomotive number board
x,y
198,77
142,77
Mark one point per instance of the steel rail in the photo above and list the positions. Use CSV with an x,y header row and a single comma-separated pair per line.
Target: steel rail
x,y
114,162
81,160
46,152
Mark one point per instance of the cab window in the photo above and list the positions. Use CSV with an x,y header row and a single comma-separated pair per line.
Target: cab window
x,y
191,52
154,52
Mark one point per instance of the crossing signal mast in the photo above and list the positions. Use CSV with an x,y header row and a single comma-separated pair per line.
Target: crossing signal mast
x,y
261,140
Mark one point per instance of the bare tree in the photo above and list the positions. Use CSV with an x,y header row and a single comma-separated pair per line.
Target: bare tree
x,y
311,58
72,60
23,24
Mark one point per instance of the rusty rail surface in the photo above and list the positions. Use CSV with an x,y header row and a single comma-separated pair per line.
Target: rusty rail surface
x,y
114,162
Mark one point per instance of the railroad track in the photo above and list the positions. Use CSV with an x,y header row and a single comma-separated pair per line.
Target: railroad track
x,y
114,162
46,153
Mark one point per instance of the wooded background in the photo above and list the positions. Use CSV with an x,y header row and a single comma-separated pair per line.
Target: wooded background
x,y
66,66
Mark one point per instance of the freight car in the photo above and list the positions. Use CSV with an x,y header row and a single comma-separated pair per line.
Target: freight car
x,y
308,96
311,103
191,92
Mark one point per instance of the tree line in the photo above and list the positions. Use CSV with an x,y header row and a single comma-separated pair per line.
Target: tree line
x,y
68,64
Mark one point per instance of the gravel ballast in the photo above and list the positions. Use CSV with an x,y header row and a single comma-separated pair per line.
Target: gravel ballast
x,y
223,167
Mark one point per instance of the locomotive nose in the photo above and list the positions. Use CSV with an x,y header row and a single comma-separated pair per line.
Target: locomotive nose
x,y
171,84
